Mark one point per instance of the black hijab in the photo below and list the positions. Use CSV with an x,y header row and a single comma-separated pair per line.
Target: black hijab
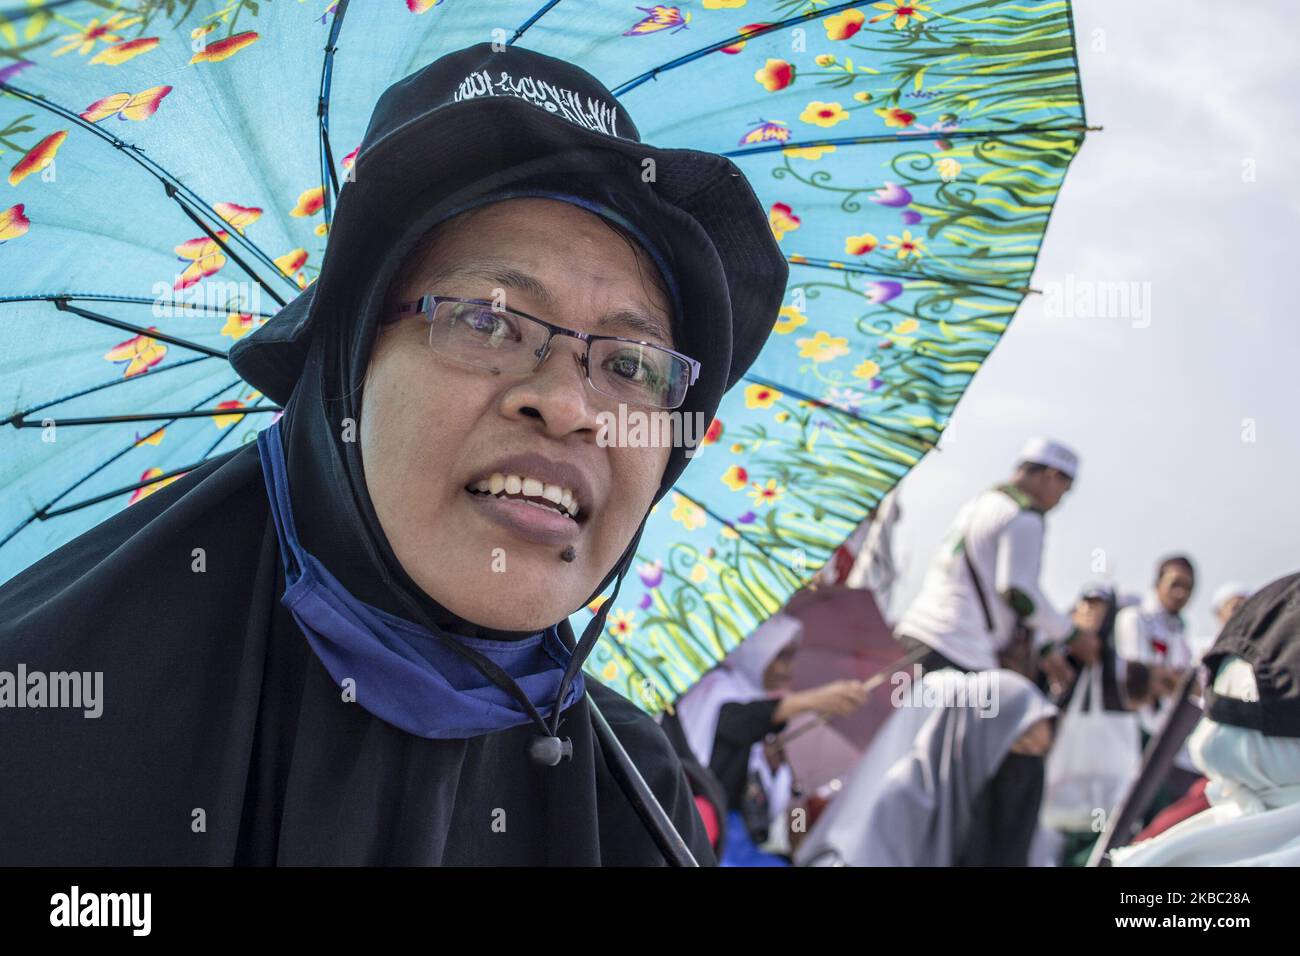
x,y
223,740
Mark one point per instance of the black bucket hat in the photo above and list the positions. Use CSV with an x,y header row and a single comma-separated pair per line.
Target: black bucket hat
x,y
481,121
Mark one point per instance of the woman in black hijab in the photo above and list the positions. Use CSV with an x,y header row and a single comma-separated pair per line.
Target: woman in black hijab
x,y
341,646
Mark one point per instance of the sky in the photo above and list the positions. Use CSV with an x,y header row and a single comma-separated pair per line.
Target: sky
x,y
1183,409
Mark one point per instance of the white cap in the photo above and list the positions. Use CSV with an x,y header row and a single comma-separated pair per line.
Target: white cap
x,y
1044,451
1227,592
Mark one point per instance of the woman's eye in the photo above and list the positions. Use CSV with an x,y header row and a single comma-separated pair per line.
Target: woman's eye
x,y
485,322
628,367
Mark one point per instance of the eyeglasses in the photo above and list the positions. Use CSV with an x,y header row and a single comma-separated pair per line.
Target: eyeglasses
x,y
473,332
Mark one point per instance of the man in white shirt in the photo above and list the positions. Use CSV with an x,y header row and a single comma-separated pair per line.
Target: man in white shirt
x,y
982,589
1153,633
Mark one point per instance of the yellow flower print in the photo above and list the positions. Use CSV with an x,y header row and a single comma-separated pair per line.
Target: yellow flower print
x,y
687,512
860,245
84,40
735,478
699,573
844,25
907,245
949,169
902,11
620,623
822,114
775,75
808,152
760,396
782,220
768,494
238,324
907,326
822,347
788,320
867,369
896,117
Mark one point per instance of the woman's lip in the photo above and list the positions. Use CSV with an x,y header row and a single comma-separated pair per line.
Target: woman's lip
x,y
528,521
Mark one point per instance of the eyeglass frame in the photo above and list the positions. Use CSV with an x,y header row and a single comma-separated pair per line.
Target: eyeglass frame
x,y
427,303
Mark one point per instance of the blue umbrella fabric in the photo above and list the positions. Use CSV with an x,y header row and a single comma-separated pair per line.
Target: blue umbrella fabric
x,y
173,166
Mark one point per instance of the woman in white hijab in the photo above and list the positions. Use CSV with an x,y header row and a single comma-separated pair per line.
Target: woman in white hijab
x,y
1247,745
728,716
928,790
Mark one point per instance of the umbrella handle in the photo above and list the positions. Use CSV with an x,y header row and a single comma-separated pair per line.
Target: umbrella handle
x,y
868,685
638,792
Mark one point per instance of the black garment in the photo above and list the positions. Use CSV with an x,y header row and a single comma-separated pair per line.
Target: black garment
x,y
701,779
1265,632
222,738
1005,817
1006,814
740,726
224,741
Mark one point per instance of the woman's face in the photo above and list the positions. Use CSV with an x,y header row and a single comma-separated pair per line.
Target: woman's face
x,y
778,672
432,429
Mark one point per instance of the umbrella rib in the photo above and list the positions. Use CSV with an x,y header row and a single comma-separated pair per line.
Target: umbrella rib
x,y
67,509
136,155
329,179
81,481
910,276
153,373
15,14
171,192
131,299
542,11
903,137
18,422
704,51
62,305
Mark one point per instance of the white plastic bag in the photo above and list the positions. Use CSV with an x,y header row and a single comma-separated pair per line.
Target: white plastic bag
x,y
1095,756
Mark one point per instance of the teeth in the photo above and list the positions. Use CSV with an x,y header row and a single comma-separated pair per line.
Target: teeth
x,y
563,498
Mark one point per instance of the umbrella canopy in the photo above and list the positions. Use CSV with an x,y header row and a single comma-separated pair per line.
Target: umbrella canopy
x,y
844,638
173,169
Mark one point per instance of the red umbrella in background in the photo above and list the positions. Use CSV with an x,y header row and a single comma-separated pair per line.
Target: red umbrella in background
x,y
845,637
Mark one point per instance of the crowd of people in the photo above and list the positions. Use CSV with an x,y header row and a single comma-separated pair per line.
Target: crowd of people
x,y
1037,771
